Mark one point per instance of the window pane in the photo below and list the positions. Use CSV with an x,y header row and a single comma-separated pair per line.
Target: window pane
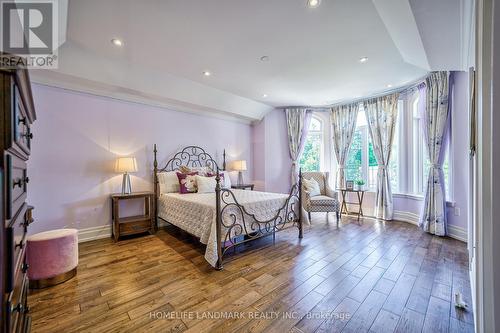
x,y
394,161
313,147
353,167
372,165
315,125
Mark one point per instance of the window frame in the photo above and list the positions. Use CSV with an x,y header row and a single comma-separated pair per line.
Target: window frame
x,y
323,143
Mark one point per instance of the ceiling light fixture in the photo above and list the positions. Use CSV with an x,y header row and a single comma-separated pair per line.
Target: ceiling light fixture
x,y
207,73
117,42
389,86
363,60
313,3
264,96
264,58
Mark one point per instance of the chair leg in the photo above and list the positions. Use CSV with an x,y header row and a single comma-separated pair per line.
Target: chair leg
x,y
338,218
309,214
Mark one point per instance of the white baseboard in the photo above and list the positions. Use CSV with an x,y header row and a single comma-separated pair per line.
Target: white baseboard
x,y
406,217
90,234
457,233
453,231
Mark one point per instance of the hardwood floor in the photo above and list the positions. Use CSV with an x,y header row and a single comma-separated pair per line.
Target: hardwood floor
x,y
376,277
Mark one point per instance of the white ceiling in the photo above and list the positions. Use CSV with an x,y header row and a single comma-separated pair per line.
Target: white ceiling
x,y
313,53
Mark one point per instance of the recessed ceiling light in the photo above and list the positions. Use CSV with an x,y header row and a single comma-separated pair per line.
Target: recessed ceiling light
x,y
264,58
389,86
364,59
264,95
207,73
313,3
117,42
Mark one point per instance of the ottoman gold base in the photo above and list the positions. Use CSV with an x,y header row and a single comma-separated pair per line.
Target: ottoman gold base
x,y
44,283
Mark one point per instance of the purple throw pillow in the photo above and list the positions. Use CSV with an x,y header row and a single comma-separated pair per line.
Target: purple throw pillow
x,y
211,174
187,182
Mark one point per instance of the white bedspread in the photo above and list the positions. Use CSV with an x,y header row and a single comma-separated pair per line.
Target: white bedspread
x,y
196,213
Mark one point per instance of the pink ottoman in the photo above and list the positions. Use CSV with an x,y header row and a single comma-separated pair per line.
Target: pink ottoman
x,y
52,257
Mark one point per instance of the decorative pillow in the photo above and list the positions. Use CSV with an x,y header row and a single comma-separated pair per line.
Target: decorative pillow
x,y
184,169
187,182
224,177
202,171
312,186
227,179
205,184
168,181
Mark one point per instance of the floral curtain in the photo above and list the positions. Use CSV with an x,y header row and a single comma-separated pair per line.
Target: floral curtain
x,y
436,117
381,115
297,120
343,120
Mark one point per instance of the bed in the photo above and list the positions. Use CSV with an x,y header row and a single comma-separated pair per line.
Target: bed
x,y
226,217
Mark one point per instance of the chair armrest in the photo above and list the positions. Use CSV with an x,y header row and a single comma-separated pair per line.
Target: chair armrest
x,y
331,193
306,200
306,195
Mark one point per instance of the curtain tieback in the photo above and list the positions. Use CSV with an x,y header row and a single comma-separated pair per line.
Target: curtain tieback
x,y
383,167
341,167
436,166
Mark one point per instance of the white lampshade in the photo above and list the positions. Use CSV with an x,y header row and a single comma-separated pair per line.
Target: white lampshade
x,y
240,165
126,164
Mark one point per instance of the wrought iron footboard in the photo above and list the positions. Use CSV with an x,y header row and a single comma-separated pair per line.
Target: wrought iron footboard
x,y
233,220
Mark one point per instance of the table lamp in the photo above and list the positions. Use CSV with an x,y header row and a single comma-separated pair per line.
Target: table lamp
x,y
240,166
125,165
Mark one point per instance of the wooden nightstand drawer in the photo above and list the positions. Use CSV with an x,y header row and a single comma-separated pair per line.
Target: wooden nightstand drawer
x,y
130,225
133,227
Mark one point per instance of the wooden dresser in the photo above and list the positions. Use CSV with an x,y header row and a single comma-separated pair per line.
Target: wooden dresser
x,y
17,113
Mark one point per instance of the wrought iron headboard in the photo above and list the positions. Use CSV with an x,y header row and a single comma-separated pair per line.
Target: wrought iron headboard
x,y
192,156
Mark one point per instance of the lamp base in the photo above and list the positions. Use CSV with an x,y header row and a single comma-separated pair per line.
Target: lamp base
x,y
126,186
240,178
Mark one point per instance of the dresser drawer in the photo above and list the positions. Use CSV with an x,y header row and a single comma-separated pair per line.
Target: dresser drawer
x,y
21,131
17,184
16,305
16,246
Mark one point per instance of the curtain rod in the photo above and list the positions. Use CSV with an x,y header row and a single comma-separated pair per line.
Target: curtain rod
x,y
402,90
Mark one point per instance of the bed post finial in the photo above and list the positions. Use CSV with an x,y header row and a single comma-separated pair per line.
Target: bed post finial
x,y
224,160
299,184
218,220
155,163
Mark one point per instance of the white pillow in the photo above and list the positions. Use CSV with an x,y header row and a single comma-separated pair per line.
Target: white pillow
x,y
169,183
227,179
205,184
202,171
312,186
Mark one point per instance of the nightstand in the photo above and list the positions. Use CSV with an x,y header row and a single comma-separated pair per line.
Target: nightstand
x,y
130,225
243,186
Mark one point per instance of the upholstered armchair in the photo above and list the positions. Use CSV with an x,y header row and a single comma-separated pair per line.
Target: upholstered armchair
x,y
327,201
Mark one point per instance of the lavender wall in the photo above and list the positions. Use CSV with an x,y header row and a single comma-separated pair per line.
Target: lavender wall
x,y
272,158
78,137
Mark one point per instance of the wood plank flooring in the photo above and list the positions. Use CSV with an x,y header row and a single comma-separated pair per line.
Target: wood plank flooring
x,y
373,277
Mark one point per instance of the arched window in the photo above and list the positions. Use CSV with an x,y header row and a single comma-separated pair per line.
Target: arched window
x,y
312,157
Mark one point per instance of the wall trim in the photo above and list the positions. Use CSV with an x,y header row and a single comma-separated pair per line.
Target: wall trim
x,y
104,231
93,233
455,232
